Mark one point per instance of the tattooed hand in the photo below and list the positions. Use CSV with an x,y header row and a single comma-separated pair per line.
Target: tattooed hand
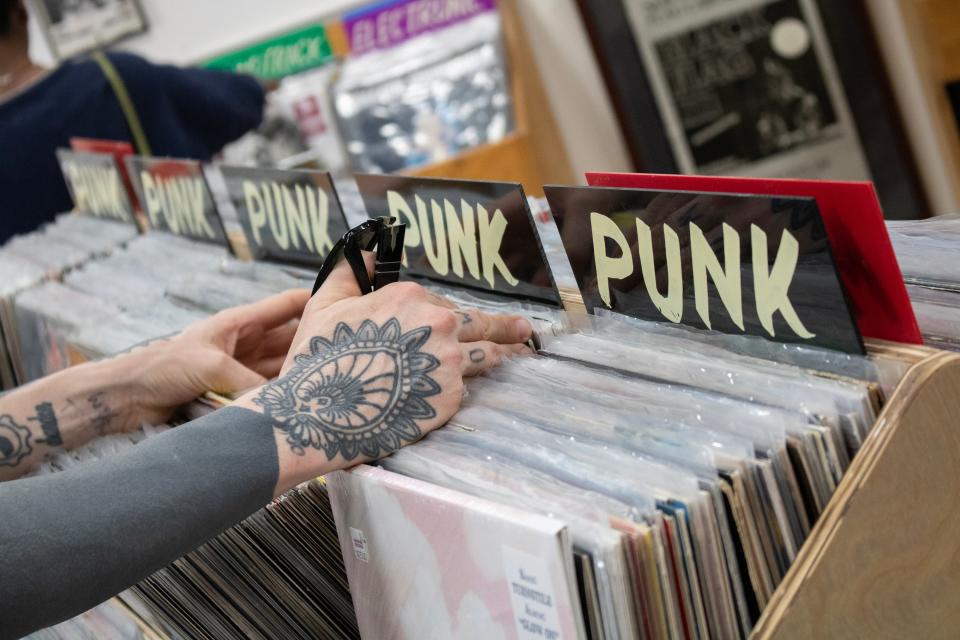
x,y
367,375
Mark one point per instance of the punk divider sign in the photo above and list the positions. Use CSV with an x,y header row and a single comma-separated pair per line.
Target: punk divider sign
x,y
96,185
759,265
466,233
175,198
287,216
858,238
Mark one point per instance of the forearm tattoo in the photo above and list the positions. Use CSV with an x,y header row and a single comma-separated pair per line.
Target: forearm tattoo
x,y
360,394
49,424
14,442
15,438
103,416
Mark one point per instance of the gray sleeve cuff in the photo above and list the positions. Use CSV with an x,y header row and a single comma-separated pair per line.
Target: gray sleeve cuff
x,y
71,540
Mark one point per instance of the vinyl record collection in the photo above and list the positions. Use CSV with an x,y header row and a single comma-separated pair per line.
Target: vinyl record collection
x,y
29,260
687,483
633,480
738,419
927,252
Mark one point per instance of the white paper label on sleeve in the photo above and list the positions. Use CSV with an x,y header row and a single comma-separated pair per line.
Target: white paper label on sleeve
x,y
531,595
359,545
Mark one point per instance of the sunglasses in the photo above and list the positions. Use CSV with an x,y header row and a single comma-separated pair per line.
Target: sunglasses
x,y
384,234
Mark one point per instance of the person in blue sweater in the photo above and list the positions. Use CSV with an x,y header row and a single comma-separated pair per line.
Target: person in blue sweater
x,y
185,113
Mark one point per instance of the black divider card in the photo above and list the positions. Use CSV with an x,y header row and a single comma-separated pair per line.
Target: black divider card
x,y
733,263
96,185
287,216
175,197
465,233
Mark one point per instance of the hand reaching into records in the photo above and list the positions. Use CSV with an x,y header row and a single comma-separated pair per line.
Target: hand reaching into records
x,y
230,352
367,375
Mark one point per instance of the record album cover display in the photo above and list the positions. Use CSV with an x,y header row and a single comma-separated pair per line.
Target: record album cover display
x,y
432,86
466,567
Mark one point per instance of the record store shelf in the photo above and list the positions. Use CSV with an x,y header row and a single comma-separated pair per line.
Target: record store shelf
x,y
883,560
531,155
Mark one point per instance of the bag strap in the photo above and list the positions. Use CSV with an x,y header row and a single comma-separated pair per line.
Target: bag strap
x,y
126,104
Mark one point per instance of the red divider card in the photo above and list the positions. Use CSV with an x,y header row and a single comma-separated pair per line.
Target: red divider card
x,y
119,149
858,237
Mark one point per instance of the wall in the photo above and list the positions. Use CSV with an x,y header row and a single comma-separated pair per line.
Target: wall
x,y
905,47
186,31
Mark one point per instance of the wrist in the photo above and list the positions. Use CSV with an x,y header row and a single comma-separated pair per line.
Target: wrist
x,y
115,393
295,465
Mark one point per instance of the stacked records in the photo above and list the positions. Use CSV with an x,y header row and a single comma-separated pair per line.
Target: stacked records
x,y
687,474
927,252
277,574
153,286
47,254
111,620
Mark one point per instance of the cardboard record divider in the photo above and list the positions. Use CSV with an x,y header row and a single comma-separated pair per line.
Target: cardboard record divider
x,y
467,234
97,186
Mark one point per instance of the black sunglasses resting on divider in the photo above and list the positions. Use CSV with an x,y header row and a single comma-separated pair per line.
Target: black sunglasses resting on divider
x,y
384,234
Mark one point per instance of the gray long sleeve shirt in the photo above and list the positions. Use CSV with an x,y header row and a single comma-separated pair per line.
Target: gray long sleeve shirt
x,y
71,540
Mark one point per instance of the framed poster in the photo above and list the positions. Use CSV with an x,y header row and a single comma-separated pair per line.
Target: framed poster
x,y
73,27
770,88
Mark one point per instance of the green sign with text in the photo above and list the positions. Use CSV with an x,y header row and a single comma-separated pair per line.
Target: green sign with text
x,y
278,57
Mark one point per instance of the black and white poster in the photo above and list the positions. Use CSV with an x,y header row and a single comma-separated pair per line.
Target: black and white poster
x,y
77,26
747,87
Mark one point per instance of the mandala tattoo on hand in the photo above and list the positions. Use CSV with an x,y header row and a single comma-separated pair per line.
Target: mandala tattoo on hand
x,y
360,394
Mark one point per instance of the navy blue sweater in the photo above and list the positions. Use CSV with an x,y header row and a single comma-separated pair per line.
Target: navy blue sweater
x,y
186,113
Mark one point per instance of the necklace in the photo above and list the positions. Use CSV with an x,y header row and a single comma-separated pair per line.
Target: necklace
x,y
10,77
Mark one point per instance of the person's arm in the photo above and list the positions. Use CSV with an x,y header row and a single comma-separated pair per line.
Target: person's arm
x,y
64,411
70,540
230,352
216,107
188,109
365,376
